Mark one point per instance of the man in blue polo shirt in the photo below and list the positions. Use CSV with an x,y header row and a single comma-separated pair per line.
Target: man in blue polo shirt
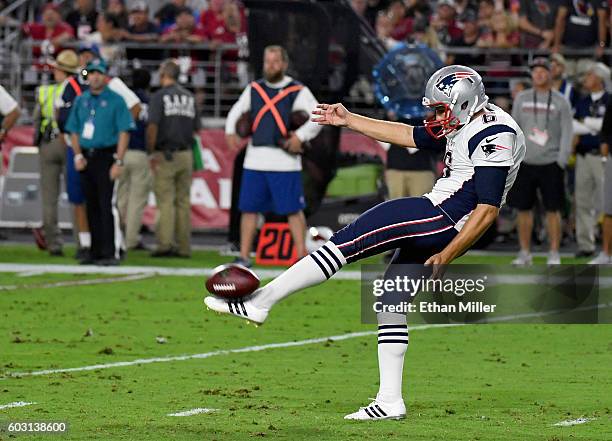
x,y
99,124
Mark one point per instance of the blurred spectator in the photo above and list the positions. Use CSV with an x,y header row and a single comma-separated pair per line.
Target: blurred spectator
x,y
185,30
503,33
83,18
166,15
517,85
560,81
135,181
582,25
469,38
141,30
51,29
605,257
537,23
222,22
463,6
590,110
545,118
118,9
402,25
409,171
418,8
486,9
384,29
424,34
373,8
106,37
360,7
444,23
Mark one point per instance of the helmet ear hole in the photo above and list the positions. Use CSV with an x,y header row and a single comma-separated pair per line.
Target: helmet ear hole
x,y
464,105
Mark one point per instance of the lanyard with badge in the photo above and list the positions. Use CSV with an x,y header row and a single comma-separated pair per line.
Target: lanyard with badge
x,y
89,127
537,136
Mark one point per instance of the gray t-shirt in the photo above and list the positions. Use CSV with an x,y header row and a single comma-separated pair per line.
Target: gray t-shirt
x,y
547,125
173,110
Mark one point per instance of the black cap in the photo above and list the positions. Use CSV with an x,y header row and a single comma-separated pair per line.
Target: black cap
x,y
540,62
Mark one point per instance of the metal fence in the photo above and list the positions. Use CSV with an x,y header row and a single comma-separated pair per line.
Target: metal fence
x,y
218,74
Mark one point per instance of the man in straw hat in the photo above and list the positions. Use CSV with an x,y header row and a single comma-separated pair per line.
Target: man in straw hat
x,y
52,151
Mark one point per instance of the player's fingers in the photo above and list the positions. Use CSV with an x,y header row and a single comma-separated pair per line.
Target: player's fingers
x,y
322,106
320,120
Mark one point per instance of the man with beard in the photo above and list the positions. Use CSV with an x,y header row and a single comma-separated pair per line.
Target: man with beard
x,y
272,180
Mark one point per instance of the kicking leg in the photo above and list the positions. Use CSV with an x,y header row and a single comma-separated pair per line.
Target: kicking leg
x,y
382,228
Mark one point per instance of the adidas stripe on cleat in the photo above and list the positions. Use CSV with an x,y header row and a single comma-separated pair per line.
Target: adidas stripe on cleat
x,y
378,410
238,308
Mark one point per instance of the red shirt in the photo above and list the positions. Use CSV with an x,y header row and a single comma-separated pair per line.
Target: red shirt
x,y
214,26
197,30
38,31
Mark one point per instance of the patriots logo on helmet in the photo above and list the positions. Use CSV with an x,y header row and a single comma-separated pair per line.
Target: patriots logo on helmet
x,y
445,85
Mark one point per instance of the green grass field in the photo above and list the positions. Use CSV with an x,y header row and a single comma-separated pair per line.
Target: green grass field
x,y
486,382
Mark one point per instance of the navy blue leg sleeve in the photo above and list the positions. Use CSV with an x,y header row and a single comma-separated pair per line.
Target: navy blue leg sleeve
x,y
413,224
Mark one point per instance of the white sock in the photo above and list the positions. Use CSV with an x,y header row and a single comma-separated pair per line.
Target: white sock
x,y
309,271
392,345
85,239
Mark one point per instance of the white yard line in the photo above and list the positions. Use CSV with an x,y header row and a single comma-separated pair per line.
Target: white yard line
x,y
152,270
15,404
203,272
575,422
127,278
192,412
500,319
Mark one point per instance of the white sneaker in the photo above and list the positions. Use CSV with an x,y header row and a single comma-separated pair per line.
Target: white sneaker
x,y
243,309
523,259
553,259
377,410
601,259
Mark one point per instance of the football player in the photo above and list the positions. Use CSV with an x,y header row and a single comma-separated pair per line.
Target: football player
x,y
484,149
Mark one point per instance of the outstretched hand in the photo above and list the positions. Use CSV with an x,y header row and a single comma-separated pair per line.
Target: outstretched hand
x,y
331,115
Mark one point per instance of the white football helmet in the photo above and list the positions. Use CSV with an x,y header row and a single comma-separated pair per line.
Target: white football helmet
x,y
456,92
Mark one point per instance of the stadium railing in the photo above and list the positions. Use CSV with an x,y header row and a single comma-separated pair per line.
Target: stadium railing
x,y
218,76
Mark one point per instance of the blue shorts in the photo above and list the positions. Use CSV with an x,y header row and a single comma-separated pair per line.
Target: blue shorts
x,y
73,180
269,191
414,225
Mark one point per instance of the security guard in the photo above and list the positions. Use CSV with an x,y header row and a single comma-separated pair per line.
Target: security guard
x,y
99,125
52,150
173,122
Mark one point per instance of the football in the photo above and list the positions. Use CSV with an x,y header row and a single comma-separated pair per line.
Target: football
x,y
298,119
243,125
232,281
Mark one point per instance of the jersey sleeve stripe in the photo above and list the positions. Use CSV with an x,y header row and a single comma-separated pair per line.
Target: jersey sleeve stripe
x,y
489,131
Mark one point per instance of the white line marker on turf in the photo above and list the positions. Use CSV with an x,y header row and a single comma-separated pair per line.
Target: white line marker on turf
x,y
15,404
193,412
310,341
575,422
289,344
127,278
